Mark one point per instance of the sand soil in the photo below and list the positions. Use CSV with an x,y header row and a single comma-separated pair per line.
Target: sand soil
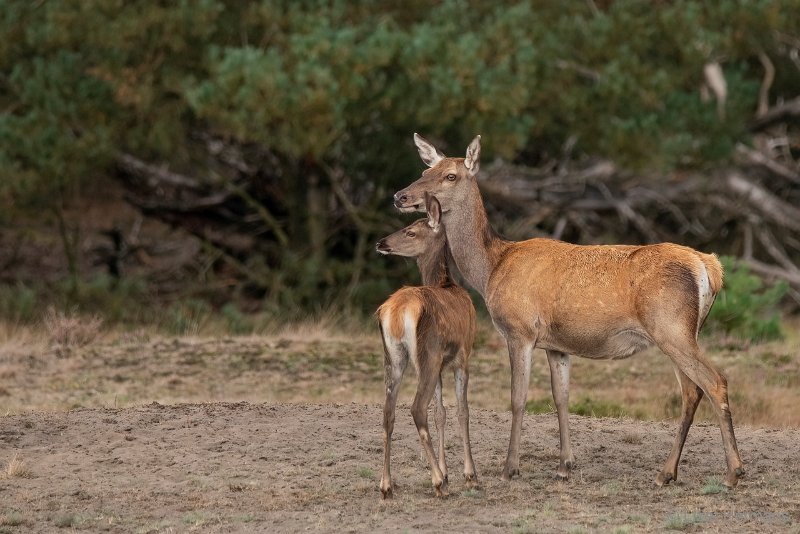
x,y
240,467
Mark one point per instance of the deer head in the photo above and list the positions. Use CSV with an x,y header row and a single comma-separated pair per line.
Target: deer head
x,y
450,180
420,237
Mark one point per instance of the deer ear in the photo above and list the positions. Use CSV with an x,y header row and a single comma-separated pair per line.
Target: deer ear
x,y
434,210
473,160
429,153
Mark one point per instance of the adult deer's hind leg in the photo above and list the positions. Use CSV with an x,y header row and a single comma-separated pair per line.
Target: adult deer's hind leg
x,y
559,383
691,395
686,355
461,377
395,360
440,416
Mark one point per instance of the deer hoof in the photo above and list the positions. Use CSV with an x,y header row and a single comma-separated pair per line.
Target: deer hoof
x,y
471,481
510,473
733,478
386,494
662,479
561,477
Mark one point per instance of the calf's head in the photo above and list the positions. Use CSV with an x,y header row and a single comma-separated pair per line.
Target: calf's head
x,y
421,237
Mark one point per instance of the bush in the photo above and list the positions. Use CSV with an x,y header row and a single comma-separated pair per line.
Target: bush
x,y
18,303
747,307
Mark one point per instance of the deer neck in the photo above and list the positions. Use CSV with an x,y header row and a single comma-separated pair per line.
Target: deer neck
x,y
475,246
433,267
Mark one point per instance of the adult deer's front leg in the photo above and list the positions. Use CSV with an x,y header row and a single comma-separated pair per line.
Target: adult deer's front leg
x,y
519,352
559,383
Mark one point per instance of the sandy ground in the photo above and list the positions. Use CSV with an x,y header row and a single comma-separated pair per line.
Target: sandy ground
x,y
240,467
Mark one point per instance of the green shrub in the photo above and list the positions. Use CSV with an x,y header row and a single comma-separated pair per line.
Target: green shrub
x,y
596,408
586,406
747,307
18,303
237,322
543,405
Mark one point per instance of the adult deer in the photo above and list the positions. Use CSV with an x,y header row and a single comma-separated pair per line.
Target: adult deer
x,y
432,325
601,302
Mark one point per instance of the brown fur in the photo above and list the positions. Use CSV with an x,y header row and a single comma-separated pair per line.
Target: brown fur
x,y
434,326
600,301
444,313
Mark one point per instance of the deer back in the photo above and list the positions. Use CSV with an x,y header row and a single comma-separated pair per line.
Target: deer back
x,y
443,316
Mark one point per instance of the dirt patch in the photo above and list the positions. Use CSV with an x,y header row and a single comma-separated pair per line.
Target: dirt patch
x,y
292,467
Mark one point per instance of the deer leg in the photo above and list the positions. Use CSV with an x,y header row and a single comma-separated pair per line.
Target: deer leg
x,y
419,409
687,357
559,383
462,381
691,395
394,365
440,416
519,353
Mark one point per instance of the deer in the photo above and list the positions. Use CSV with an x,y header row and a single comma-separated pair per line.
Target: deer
x,y
432,325
593,301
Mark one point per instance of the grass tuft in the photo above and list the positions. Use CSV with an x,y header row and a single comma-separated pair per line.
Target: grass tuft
x,y
12,519
365,472
681,521
713,486
67,521
71,329
16,468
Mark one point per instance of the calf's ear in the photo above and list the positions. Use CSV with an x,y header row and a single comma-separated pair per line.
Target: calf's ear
x,y
434,210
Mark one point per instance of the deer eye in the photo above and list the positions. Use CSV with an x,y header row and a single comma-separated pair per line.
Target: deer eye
x,y
411,234
451,177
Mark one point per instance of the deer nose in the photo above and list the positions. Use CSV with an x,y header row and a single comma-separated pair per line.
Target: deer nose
x,y
400,197
382,247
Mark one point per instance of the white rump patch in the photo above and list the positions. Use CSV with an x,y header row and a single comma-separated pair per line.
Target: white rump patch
x,y
706,295
410,337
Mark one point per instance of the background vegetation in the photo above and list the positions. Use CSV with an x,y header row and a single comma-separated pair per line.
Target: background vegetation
x,y
275,132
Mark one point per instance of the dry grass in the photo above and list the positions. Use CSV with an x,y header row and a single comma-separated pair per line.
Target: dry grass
x,y
336,359
16,468
71,329
15,338
328,326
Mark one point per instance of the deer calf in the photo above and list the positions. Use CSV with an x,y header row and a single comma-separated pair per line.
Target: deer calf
x,y
432,325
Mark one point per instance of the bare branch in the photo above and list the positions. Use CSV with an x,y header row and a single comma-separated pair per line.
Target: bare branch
x,y
774,248
759,158
766,84
154,175
773,272
768,205
776,114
